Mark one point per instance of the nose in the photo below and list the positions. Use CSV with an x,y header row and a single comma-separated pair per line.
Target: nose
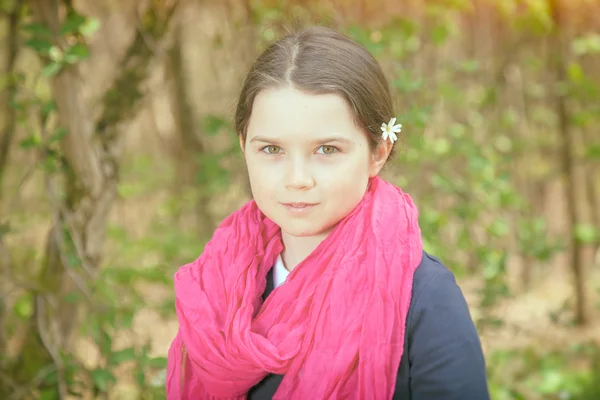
x,y
298,175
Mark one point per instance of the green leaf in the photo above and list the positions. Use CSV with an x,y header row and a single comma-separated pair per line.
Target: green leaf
x,y
441,146
76,53
510,118
55,54
51,69
49,394
73,260
50,163
157,362
72,24
268,35
48,108
167,308
154,274
407,83
499,228
211,175
593,151
106,343
4,228
212,124
37,29
492,263
440,34
121,356
127,319
589,44
575,73
72,297
470,66
30,142
18,105
457,130
102,379
413,44
503,143
586,233
123,275
551,382
89,27
58,135
100,336
41,46
23,307
140,378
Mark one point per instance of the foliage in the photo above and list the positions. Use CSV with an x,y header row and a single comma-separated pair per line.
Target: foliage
x,y
566,374
42,41
111,296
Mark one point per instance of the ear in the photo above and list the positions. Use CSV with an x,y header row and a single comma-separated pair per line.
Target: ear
x,y
242,143
379,157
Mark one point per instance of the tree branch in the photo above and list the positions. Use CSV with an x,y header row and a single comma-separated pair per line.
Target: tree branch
x,y
8,133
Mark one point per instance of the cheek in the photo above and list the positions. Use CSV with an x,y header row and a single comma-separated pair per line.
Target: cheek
x,y
347,173
350,183
345,187
351,188
262,177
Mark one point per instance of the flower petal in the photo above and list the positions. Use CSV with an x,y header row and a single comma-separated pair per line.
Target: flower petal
x,y
383,126
385,135
397,128
392,121
393,137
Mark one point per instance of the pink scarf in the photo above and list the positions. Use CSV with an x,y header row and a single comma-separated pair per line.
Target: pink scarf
x,y
335,329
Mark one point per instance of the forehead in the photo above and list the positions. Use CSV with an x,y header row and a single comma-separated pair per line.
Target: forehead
x,y
288,111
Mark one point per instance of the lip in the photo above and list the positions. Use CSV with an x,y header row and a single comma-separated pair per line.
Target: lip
x,y
299,208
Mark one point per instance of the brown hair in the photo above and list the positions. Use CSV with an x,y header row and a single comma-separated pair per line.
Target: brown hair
x,y
320,60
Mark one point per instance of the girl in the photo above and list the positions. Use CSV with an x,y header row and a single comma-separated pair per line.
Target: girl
x,y
319,288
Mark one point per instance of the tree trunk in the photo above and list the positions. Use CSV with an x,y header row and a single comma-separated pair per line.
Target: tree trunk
x,y
81,207
79,218
7,95
7,132
591,179
567,160
190,147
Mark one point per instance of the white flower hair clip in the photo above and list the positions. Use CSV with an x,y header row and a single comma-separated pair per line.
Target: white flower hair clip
x,y
389,130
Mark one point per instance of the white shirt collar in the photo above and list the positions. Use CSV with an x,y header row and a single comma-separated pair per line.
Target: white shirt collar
x,y
280,273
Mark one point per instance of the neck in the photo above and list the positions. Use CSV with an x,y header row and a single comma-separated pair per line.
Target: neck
x,y
297,248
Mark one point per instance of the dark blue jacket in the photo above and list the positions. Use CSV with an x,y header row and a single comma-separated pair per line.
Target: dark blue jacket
x,y
442,358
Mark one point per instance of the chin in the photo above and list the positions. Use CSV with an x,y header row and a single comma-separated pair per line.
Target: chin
x,y
304,229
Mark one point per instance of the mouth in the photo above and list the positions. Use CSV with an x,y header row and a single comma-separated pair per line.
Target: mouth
x,y
299,207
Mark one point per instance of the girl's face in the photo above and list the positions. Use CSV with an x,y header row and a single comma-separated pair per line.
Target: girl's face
x,y
308,163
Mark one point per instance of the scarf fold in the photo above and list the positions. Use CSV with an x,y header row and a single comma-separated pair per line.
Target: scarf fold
x,y
335,329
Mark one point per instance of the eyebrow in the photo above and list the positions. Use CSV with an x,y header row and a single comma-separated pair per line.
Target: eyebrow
x,y
327,139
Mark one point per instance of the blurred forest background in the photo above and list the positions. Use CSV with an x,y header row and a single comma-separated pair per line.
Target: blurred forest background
x,y
117,161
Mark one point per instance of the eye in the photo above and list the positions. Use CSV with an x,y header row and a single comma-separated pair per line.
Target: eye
x,y
271,149
327,150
